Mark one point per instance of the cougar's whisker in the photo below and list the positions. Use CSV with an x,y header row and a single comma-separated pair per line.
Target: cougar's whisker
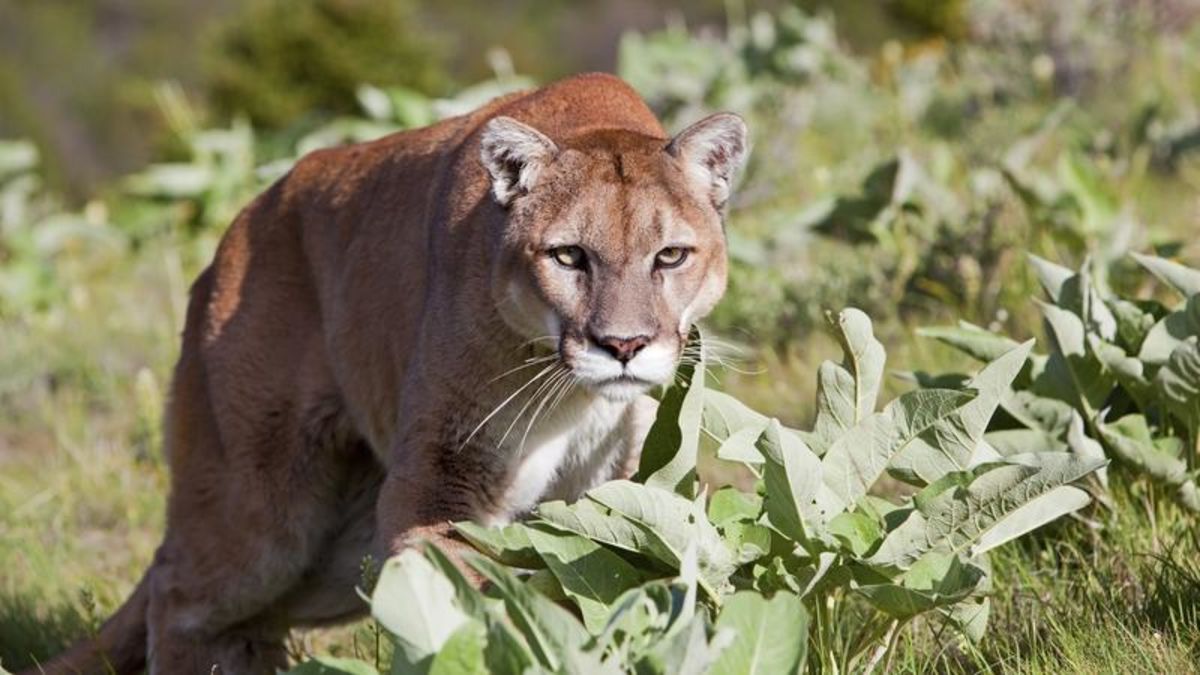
x,y
550,393
505,402
533,397
529,363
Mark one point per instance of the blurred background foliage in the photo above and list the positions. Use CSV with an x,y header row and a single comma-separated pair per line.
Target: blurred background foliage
x,y
907,155
79,78
933,140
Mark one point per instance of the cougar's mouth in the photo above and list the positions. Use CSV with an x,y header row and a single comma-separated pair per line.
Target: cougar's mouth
x,y
622,388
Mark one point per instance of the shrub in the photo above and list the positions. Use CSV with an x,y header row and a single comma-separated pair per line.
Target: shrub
x,y
810,568
1122,375
280,61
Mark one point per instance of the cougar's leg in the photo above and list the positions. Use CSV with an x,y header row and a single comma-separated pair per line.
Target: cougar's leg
x,y
432,483
327,592
253,502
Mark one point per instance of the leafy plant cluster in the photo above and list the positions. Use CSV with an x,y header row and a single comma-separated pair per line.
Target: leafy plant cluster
x,y
278,62
1122,375
50,251
972,153
809,569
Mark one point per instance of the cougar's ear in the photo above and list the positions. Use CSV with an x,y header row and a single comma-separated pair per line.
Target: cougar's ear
x,y
712,150
514,154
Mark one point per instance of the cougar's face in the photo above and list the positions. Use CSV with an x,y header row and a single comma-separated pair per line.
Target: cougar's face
x,y
615,249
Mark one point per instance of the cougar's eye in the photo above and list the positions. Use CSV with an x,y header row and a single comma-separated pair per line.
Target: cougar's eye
x,y
569,256
671,256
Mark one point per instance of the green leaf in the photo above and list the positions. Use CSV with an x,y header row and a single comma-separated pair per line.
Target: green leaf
x,y
751,540
857,531
772,635
1072,373
978,343
171,181
1097,201
590,574
328,665
466,595
1086,446
990,510
1079,296
1133,323
740,446
953,443
795,496
417,605
730,504
859,457
970,617
1050,415
588,519
1126,369
1130,439
672,445
505,650
543,581
672,523
508,544
958,479
640,616
935,580
1033,514
550,631
463,652
1178,383
1015,441
1185,280
1170,332
1050,275
724,415
846,393
686,651
734,425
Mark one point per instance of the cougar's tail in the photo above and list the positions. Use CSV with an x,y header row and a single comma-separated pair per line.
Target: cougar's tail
x,y
118,647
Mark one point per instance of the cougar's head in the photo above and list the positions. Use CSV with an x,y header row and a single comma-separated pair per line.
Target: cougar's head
x,y
613,243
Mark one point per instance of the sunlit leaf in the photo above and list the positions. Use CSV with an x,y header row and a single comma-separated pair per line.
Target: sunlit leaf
x,y
980,344
847,392
953,443
1183,279
858,458
772,635
673,524
417,605
590,574
990,510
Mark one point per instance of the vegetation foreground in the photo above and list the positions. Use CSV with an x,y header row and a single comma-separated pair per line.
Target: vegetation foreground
x,y
1018,506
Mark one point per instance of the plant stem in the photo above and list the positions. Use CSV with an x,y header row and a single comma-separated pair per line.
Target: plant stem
x,y
883,649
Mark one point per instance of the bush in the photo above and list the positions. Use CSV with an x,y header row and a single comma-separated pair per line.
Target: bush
x,y
1122,375
808,569
280,61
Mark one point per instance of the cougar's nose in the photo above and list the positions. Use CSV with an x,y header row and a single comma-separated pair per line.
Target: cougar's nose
x,y
622,349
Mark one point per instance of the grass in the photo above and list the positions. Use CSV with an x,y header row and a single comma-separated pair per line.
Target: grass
x,y
1117,594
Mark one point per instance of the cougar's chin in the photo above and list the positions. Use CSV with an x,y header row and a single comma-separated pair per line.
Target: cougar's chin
x,y
622,389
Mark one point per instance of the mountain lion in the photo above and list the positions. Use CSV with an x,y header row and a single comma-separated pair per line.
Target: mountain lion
x,y
447,323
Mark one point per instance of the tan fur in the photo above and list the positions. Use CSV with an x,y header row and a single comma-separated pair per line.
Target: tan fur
x,y
354,331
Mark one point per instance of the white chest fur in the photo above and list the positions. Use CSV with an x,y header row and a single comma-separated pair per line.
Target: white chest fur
x,y
568,454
